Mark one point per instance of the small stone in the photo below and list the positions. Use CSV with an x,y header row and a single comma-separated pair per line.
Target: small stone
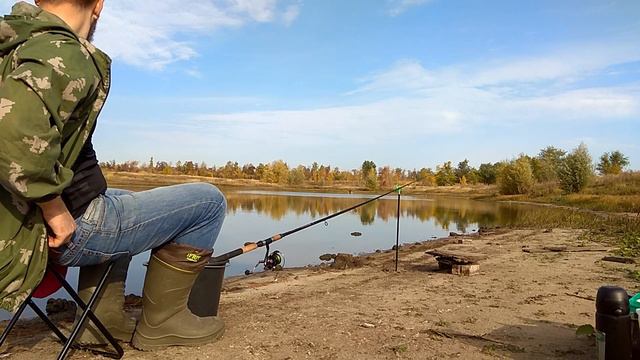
x,y
132,301
327,257
345,261
367,325
56,306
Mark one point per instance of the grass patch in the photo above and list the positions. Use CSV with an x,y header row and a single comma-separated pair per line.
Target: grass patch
x,y
617,230
441,323
470,320
596,202
629,245
399,349
633,275
576,219
611,193
491,349
624,184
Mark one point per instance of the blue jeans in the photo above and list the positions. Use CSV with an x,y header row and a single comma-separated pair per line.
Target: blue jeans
x,y
123,223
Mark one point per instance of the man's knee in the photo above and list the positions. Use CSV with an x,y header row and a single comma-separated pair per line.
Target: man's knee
x,y
211,194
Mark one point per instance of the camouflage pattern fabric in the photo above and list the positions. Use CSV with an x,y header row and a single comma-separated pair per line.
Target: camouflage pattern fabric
x,y
52,88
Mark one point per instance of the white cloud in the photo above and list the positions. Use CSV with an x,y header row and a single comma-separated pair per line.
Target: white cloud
x,y
267,135
194,73
258,10
584,104
408,102
405,75
290,14
568,65
374,129
397,7
148,33
392,122
541,88
573,62
362,124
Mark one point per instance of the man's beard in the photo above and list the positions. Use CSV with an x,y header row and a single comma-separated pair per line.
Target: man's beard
x,y
92,30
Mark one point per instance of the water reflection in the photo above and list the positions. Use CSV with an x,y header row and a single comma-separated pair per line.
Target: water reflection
x,y
447,213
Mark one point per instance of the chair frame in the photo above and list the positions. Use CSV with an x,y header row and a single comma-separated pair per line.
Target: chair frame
x,y
87,312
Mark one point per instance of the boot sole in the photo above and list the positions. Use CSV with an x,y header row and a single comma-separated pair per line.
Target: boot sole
x,y
140,342
119,335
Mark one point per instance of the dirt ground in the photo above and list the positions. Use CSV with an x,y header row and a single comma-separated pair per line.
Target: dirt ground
x,y
519,306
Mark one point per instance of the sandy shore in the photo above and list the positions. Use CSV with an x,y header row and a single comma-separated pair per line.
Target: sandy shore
x,y
519,306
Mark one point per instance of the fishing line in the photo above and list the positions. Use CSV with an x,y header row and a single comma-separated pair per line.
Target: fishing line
x,y
250,246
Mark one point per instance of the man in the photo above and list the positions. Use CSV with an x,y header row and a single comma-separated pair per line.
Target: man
x,y
53,196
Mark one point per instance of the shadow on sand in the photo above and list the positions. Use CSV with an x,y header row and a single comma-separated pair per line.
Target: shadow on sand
x,y
534,339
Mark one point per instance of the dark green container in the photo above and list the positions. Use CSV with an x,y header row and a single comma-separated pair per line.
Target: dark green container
x,y
205,294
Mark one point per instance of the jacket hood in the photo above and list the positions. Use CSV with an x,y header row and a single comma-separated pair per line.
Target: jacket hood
x,y
25,21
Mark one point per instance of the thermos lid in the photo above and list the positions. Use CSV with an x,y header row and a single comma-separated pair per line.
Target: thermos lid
x,y
612,300
634,303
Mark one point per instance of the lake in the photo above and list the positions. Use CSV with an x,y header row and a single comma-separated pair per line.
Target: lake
x,y
256,215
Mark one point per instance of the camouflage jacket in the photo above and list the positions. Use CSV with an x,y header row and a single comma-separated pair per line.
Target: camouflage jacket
x,y
52,87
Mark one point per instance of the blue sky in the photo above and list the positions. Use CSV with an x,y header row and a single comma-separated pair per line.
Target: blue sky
x,y
408,83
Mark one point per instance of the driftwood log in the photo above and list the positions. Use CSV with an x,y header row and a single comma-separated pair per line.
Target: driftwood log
x,y
452,334
619,259
548,249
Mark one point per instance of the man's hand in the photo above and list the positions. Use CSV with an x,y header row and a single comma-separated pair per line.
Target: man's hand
x,y
60,222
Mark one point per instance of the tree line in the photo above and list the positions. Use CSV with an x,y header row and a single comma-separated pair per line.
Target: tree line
x,y
555,168
571,171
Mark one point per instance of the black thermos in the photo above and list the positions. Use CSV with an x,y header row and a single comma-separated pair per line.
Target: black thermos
x,y
613,319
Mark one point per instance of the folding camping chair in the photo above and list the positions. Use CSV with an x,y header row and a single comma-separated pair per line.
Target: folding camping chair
x,y
53,280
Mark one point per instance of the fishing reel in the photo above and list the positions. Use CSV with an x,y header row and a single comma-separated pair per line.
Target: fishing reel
x,y
273,261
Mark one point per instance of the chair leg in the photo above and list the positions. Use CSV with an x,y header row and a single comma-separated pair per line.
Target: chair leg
x,y
46,320
13,321
88,312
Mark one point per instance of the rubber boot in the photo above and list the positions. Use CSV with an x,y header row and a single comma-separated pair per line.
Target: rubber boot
x,y
166,320
109,305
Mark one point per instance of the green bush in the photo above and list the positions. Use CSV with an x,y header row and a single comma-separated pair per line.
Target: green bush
x,y
576,170
612,164
487,173
545,166
445,175
369,175
516,177
371,180
296,176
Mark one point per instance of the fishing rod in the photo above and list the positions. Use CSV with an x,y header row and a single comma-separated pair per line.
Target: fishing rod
x,y
274,259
